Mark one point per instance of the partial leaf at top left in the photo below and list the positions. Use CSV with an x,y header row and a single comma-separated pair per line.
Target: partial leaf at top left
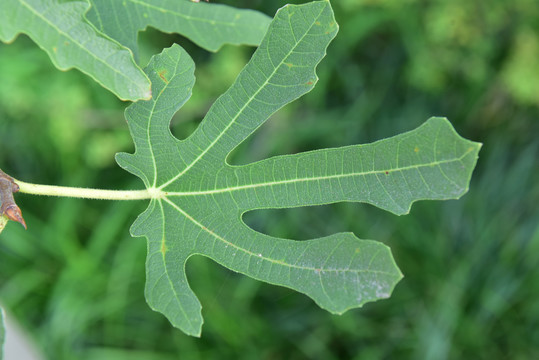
x,y
209,25
62,31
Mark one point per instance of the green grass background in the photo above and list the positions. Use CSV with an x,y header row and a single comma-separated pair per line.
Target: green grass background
x,y
75,279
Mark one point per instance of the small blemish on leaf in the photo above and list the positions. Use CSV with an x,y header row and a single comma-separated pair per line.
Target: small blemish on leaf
x,y
331,27
162,74
163,247
416,149
387,172
309,83
289,65
54,49
317,23
66,43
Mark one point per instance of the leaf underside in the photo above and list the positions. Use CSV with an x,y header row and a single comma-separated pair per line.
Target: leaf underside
x,y
61,30
208,25
200,199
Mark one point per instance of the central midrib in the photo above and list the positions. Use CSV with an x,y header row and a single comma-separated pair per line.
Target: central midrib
x,y
317,178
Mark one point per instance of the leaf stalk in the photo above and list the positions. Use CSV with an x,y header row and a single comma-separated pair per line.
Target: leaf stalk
x,y
83,193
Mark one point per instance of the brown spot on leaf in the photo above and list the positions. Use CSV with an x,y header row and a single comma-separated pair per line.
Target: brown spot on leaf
x,y
162,74
163,247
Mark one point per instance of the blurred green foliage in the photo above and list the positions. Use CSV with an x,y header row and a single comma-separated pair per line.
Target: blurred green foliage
x,y
75,279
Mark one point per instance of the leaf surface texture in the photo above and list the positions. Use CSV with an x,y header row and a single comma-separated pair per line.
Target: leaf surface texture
x,y
199,199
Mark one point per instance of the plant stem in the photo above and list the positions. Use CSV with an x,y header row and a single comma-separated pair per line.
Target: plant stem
x,y
83,193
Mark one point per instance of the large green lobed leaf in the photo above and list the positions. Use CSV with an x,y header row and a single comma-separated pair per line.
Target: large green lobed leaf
x,y
61,30
208,25
198,199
